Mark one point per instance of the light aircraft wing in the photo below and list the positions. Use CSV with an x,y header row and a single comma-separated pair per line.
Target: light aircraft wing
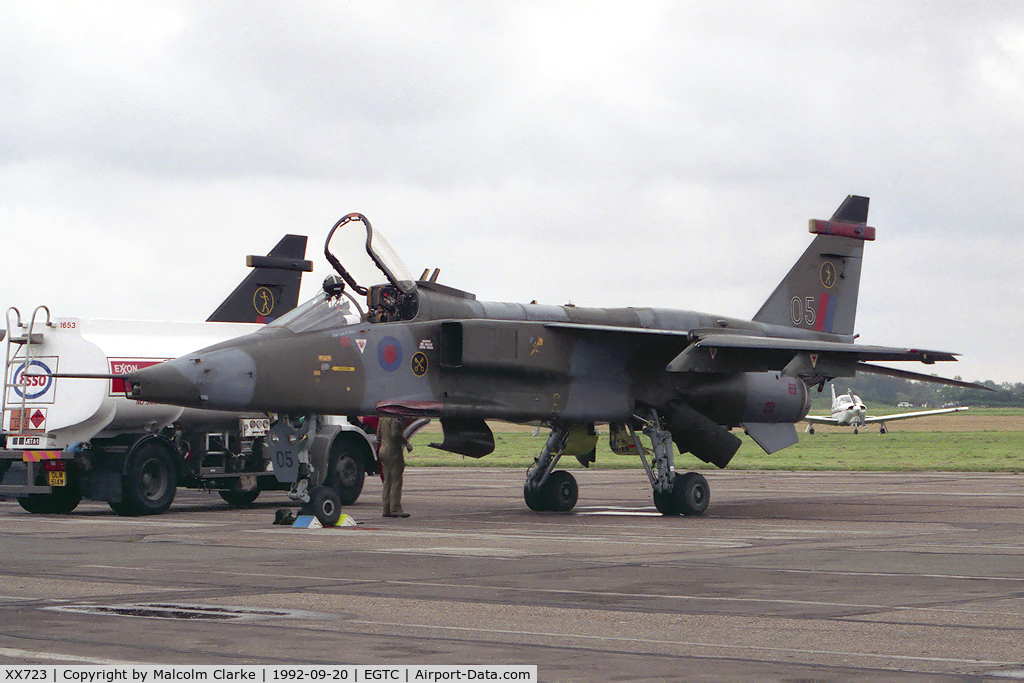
x,y
821,420
907,416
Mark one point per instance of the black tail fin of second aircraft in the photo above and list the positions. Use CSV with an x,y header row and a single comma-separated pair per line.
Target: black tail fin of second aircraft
x,y
820,292
271,289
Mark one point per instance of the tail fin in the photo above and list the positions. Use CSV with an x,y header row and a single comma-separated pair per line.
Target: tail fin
x,y
820,292
272,289
833,396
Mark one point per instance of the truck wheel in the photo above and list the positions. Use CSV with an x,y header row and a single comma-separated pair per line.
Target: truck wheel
x,y
346,476
324,504
239,499
36,503
150,483
60,501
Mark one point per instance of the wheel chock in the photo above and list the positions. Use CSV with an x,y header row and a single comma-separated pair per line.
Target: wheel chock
x,y
307,522
346,520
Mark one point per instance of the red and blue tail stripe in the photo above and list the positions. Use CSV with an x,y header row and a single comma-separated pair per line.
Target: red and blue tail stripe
x,y
826,312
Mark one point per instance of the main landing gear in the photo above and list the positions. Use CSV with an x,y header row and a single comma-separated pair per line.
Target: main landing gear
x,y
547,489
674,493
551,490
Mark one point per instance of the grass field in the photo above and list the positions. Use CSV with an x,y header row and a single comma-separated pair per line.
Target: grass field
x,y
988,440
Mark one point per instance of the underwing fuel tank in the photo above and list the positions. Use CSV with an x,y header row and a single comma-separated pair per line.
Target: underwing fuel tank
x,y
758,397
764,403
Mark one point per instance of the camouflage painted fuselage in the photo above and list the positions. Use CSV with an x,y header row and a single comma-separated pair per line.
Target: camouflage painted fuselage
x,y
460,357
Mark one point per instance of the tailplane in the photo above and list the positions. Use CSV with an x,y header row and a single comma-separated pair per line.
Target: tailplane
x,y
271,289
820,292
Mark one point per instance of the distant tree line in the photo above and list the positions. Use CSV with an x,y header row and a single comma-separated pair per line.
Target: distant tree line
x,y
893,391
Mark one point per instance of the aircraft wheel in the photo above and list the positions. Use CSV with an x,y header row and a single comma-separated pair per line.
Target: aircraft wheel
x,y
534,498
665,502
692,493
324,504
119,508
238,499
150,483
346,476
561,491
856,431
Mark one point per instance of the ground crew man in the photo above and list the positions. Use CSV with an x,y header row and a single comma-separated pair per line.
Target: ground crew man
x,y
392,443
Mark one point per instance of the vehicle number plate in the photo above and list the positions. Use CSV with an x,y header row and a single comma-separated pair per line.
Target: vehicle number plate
x,y
58,478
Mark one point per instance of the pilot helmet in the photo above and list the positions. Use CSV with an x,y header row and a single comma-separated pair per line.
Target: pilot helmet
x,y
334,285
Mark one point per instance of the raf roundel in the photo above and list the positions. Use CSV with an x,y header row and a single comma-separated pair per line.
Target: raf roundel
x,y
389,354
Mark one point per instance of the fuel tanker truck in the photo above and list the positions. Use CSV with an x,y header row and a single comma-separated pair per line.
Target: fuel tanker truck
x,y
68,438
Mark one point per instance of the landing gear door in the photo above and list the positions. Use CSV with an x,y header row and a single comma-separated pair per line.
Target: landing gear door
x,y
288,447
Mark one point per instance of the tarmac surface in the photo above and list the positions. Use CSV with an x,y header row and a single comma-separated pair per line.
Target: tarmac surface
x,y
789,576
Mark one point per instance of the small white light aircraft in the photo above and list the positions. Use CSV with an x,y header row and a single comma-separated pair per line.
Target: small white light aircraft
x,y
848,409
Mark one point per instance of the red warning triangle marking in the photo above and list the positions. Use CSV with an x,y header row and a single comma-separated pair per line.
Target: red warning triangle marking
x,y
814,360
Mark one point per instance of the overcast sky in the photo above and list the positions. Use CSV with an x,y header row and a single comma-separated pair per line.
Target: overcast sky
x,y
608,154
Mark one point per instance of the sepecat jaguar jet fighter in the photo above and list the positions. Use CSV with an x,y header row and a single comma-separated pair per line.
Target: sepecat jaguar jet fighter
x,y
378,342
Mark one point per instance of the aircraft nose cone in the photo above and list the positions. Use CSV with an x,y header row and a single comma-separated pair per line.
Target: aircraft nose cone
x,y
219,380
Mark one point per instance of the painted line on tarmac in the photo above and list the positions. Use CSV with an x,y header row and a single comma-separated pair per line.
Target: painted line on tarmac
x,y
707,598
14,653
732,647
80,521
337,579
956,577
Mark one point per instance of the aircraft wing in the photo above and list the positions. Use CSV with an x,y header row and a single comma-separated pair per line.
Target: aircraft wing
x,y
703,339
741,352
908,416
821,420
858,352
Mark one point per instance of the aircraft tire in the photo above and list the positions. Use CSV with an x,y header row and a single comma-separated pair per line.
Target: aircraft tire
x,y
118,508
239,499
324,504
665,502
691,493
346,476
561,491
149,485
534,498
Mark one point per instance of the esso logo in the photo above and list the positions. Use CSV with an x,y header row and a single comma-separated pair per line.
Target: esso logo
x,y
37,383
